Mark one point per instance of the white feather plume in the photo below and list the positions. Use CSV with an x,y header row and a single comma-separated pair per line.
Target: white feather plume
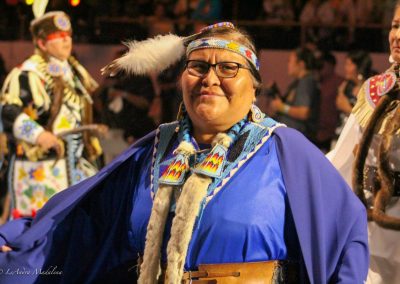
x,y
151,55
38,7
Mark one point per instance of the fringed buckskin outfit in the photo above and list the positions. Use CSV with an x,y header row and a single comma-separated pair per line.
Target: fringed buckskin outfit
x,y
277,198
367,155
46,94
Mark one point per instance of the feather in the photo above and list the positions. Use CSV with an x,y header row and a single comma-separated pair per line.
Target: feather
x,y
151,55
38,7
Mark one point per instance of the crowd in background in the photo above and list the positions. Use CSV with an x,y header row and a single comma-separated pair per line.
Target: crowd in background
x,y
318,101
273,23
132,107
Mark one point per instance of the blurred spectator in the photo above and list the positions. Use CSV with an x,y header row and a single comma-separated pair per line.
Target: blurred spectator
x,y
207,10
135,9
368,12
313,14
185,7
297,6
357,68
3,71
266,97
165,104
122,103
278,11
159,23
298,108
248,10
328,114
363,10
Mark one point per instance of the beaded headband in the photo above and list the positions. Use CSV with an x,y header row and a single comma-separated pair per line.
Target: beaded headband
x,y
224,44
158,53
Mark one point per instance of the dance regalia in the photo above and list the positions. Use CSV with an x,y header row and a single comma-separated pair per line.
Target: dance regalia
x,y
384,243
268,204
45,93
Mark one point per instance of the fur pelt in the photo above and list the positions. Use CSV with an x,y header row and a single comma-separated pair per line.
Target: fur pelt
x,y
188,206
361,156
150,268
193,193
386,175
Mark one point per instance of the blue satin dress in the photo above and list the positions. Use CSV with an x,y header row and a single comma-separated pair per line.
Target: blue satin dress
x,y
246,221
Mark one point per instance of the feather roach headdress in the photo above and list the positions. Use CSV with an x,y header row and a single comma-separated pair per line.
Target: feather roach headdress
x,y
47,23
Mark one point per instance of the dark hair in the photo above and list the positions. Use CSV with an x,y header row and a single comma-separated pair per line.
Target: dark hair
x,y
307,56
363,61
328,57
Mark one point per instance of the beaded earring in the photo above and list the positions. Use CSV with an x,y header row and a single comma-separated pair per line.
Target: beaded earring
x,y
255,114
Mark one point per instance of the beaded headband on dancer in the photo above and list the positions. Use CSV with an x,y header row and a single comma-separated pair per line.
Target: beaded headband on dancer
x,y
158,53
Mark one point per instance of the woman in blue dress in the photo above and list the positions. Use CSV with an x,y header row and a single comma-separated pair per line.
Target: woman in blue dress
x,y
222,185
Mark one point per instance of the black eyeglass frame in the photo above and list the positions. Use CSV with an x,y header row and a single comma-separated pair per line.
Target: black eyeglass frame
x,y
209,65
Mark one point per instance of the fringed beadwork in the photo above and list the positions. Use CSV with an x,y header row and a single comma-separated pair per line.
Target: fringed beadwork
x,y
176,171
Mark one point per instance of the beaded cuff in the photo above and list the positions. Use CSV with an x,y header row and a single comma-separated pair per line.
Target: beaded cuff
x,y
26,129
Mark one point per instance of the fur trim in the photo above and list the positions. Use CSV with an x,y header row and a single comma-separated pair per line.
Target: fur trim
x,y
185,148
222,139
150,268
151,55
188,206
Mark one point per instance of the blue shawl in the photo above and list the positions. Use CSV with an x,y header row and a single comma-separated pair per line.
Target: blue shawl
x,y
82,234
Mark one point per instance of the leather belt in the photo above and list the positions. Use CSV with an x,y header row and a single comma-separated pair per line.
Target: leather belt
x,y
276,271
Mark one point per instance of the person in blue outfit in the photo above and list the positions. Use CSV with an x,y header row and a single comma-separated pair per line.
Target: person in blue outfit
x,y
223,194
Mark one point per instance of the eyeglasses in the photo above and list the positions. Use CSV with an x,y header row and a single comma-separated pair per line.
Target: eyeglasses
x,y
222,69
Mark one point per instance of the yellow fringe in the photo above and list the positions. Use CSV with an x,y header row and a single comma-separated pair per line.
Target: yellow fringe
x,y
363,110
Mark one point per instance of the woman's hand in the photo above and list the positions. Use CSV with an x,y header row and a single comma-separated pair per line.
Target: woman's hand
x,y
47,140
5,249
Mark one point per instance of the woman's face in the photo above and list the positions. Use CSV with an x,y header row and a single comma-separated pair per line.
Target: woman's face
x,y
350,69
213,103
394,36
